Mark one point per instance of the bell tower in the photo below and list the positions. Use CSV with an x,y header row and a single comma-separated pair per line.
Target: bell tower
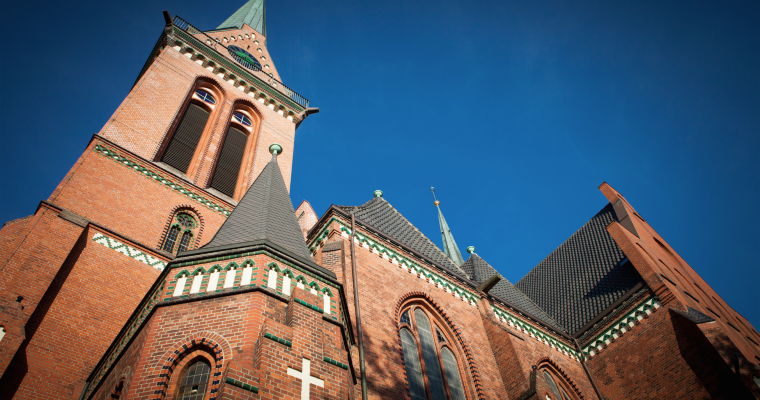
x,y
160,178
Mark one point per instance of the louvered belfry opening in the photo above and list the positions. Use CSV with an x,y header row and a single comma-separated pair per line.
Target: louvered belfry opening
x,y
182,146
230,158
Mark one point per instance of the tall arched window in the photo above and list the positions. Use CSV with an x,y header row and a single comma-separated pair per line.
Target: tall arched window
x,y
231,155
431,366
556,390
194,381
179,152
182,232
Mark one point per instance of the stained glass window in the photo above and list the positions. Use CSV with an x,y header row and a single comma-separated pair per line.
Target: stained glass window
x,y
186,220
194,381
412,366
185,242
171,239
405,318
430,355
205,96
452,374
441,338
552,385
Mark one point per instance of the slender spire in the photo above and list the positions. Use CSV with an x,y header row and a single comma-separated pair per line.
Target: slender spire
x,y
265,213
449,245
253,13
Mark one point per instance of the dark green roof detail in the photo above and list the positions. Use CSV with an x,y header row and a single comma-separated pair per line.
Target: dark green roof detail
x,y
253,13
449,245
264,213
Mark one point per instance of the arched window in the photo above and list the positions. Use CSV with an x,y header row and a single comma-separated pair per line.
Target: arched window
x,y
181,148
557,390
182,232
194,381
231,155
431,366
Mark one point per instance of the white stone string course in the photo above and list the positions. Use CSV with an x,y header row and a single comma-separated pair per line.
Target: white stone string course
x,y
403,262
508,318
271,278
622,325
129,251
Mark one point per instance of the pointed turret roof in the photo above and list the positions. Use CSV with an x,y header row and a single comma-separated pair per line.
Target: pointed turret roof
x,y
265,213
449,245
252,13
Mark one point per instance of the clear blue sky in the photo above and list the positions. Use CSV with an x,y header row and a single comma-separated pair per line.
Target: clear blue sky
x,y
514,111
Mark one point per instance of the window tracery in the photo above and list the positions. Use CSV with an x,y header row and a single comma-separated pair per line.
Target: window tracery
x,y
183,229
431,366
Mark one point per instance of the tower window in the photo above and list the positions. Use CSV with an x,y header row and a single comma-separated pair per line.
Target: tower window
x,y
171,239
240,117
183,229
182,146
185,241
205,96
194,382
230,157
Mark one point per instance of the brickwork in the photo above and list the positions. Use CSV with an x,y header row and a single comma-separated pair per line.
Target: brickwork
x,y
677,284
88,301
306,216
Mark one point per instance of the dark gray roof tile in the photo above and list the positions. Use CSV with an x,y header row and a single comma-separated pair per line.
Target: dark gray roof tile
x,y
583,276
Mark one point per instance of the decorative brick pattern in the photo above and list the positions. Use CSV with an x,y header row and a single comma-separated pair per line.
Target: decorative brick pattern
x,y
129,251
621,326
509,319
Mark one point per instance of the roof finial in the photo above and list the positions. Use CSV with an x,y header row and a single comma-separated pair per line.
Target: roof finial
x,y
436,202
449,245
378,193
471,249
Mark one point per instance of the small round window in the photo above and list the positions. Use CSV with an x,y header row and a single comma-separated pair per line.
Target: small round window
x,y
239,117
205,96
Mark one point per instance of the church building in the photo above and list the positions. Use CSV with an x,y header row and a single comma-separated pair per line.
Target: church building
x,y
170,263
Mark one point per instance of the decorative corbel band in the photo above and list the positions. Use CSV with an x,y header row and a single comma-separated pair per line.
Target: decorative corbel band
x,y
119,159
622,325
510,319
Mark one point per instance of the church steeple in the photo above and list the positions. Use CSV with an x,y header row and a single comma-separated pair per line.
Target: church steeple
x,y
253,13
449,245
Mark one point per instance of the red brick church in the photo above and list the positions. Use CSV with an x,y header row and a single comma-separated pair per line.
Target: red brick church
x,y
170,264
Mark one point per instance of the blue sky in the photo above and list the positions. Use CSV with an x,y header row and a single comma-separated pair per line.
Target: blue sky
x,y
514,111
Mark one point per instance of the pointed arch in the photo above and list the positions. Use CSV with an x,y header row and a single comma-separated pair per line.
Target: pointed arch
x,y
183,219
438,318
560,377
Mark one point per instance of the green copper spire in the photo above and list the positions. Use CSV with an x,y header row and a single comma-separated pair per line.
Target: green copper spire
x,y
253,13
449,245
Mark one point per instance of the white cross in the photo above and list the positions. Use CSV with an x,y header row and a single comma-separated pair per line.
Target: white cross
x,y
306,379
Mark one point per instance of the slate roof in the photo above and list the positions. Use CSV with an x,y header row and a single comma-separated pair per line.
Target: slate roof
x,y
583,276
383,216
264,213
252,13
480,271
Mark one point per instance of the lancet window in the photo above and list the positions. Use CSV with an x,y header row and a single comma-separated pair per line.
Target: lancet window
x,y
555,391
181,147
230,157
431,365
182,233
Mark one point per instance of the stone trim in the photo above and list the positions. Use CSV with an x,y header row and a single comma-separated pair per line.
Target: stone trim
x,y
148,173
507,318
621,326
129,251
401,261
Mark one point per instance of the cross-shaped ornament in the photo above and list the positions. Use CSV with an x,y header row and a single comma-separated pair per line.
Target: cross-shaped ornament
x,y
306,379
